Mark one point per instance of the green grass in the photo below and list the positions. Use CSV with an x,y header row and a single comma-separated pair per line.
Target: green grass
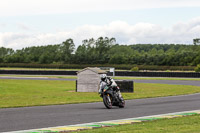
x,y
189,124
20,93
148,90
43,76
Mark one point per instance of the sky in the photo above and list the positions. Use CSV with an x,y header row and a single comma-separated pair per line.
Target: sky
x,y
25,23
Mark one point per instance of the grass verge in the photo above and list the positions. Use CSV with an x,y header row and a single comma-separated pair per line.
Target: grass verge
x,y
39,76
20,93
189,124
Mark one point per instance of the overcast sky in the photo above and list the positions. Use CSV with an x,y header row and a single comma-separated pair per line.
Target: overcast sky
x,y
25,23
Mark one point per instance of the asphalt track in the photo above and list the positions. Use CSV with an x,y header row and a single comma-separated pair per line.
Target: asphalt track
x,y
13,119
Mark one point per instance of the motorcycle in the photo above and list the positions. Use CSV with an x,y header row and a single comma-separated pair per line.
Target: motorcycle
x,y
111,97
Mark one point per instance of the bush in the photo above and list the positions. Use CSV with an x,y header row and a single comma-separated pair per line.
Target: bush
x,y
135,69
197,69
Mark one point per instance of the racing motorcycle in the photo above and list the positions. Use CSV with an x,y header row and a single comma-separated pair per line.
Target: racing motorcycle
x,y
111,97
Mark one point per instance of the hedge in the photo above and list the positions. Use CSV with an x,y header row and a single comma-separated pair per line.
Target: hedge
x,y
81,66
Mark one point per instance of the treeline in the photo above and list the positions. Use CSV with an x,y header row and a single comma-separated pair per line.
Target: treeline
x,y
104,50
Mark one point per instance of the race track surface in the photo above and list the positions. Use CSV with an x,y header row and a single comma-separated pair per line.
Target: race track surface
x,y
12,119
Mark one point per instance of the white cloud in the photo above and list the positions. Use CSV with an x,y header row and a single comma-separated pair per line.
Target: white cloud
x,y
2,25
36,7
21,40
181,32
25,27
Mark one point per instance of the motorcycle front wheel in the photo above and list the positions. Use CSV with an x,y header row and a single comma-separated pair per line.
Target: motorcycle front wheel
x,y
107,100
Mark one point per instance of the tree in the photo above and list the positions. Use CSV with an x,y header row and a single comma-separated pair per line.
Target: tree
x,y
197,69
4,53
67,48
102,46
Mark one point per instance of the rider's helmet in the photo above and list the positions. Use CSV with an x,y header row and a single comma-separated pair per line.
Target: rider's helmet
x,y
103,77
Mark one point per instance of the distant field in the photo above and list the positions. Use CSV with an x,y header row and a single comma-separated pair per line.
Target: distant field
x,y
20,93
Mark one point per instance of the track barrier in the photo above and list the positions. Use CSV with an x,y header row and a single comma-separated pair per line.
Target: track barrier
x,y
117,73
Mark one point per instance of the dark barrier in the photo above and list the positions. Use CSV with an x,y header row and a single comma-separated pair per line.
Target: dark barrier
x,y
37,72
125,85
157,74
117,73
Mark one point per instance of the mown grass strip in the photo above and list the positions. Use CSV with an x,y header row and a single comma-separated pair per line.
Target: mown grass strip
x,y
40,76
43,69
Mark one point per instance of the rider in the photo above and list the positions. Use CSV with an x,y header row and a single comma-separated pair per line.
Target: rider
x,y
105,80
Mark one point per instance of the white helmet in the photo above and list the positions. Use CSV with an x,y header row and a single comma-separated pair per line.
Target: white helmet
x,y
103,77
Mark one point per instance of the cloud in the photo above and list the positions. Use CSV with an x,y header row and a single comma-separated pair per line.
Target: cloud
x,y
38,7
22,40
3,25
181,32
23,26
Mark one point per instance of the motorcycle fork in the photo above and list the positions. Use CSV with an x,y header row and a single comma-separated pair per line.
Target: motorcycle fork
x,y
110,100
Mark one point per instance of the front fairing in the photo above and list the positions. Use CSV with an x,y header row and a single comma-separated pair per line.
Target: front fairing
x,y
108,90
